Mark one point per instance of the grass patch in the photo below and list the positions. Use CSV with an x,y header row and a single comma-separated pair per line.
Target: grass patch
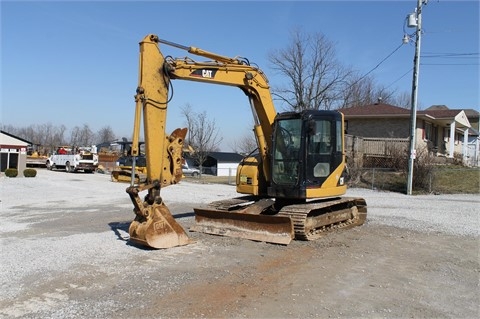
x,y
454,180
381,179
444,180
211,179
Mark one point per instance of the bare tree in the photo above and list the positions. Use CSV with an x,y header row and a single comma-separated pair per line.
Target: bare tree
x,y
316,78
47,137
44,137
245,144
75,136
403,99
105,135
87,135
189,115
363,91
59,134
203,134
82,136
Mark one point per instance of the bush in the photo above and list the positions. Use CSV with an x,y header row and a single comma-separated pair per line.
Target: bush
x,y
30,172
423,169
11,172
398,157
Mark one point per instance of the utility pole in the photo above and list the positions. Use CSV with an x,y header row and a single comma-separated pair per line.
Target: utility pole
x,y
414,20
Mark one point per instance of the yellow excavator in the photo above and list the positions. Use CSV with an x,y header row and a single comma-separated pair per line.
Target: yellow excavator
x,y
291,189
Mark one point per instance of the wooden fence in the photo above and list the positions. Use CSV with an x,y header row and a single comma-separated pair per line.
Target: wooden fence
x,y
376,152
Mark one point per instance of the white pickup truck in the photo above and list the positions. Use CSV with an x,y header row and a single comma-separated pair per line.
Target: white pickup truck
x,y
81,160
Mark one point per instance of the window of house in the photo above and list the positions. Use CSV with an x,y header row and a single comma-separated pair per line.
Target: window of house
x,y
458,138
427,131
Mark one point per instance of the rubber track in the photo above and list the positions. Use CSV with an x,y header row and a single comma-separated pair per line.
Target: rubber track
x,y
299,215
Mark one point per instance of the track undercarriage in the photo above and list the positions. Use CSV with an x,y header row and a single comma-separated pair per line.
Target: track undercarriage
x,y
271,221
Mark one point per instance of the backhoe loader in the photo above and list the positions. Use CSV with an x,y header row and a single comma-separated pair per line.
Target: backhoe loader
x,y
291,189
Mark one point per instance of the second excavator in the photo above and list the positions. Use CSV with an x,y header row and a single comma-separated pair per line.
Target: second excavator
x,y
292,187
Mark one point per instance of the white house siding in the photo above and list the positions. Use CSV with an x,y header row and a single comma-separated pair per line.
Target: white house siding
x,y
472,157
227,169
13,153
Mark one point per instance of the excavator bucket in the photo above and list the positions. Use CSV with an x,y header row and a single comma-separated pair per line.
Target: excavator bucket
x,y
158,230
246,223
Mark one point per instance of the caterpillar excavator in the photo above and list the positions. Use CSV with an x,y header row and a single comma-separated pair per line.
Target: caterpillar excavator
x,y
291,189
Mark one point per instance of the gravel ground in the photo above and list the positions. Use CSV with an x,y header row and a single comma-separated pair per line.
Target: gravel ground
x,y
65,254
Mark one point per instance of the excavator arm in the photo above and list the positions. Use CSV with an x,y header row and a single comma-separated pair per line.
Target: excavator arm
x,y
154,225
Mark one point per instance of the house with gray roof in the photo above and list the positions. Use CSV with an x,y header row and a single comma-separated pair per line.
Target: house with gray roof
x,y
218,163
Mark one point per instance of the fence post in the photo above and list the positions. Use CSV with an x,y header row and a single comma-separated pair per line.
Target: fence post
x,y
373,178
430,181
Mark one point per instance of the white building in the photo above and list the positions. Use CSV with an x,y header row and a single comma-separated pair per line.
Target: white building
x,y
13,152
219,163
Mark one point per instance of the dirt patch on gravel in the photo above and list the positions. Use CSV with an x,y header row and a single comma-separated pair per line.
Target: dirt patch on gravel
x,y
367,272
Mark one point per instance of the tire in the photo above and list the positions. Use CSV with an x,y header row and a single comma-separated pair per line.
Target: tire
x,y
195,174
68,168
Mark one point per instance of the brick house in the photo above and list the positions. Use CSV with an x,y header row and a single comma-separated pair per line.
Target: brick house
x,y
444,131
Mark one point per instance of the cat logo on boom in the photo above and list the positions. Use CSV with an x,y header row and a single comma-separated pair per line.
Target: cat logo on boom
x,y
204,73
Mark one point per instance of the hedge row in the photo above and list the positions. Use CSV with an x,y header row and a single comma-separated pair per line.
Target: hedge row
x,y
13,172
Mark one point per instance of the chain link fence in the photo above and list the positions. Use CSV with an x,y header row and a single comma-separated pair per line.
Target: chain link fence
x,y
382,164
437,180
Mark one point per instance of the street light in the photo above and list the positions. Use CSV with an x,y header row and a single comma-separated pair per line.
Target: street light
x,y
414,21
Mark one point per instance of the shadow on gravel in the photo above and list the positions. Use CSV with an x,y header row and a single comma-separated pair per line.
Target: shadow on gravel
x,y
121,231
120,228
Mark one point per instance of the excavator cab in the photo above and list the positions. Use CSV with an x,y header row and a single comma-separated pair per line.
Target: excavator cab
x,y
307,155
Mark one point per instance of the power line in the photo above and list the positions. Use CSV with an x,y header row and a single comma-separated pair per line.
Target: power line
x,y
401,77
449,64
448,54
451,56
441,55
380,63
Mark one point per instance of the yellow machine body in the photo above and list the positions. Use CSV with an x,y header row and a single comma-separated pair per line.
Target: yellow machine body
x,y
291,186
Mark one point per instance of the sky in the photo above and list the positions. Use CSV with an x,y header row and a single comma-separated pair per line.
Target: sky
x,y
76,62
